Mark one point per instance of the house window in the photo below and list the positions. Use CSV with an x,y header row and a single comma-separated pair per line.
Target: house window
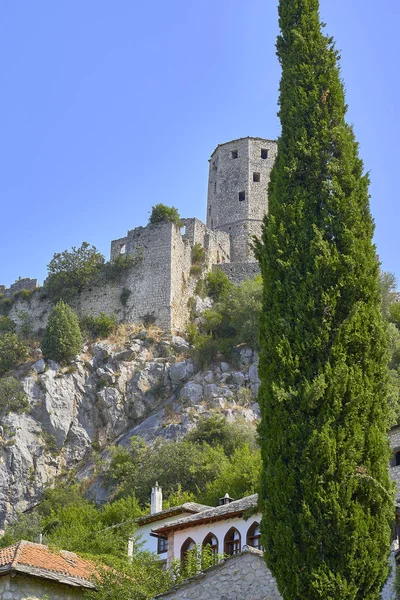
x,y
122,248
242,196
187,546
264,153
235,154
162,545
232,542
256,177
212,542
254,535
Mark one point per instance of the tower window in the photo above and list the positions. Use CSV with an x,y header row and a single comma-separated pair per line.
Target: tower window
x,y
235,154
209,210
242,196
215,187
264,153
256,177
122,248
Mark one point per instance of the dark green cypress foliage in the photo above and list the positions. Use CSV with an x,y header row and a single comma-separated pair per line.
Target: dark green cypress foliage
x,y
62,338
326,494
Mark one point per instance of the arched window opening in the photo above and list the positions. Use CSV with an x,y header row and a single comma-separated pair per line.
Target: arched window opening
x,y
186,547
212,542
232,542
254,536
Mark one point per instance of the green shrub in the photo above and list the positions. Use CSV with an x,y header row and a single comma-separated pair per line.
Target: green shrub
x,y
70,271
5,305
12,352
217,284
149,319
196,270
62,338
113,270
23,294
160,213
394,313
217,431
198,255
12,396
25,325
124,296
233,320
7,325
101,326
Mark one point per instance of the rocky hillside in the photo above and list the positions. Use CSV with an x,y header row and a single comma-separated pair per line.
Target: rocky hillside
x,y
141,382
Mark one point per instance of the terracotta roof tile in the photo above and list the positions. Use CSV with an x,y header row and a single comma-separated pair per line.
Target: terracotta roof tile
x,y
42,560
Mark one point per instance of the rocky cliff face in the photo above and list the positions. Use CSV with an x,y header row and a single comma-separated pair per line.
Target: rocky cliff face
x,y
134,385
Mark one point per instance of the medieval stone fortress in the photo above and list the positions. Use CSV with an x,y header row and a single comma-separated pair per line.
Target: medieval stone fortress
x,y
161,282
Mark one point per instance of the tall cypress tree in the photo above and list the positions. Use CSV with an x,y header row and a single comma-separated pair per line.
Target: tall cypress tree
x,y
326,494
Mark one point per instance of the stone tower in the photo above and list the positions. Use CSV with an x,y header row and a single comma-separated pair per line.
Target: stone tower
x,y
237,191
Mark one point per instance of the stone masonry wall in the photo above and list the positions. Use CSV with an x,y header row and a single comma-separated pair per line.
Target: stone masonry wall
x,y
217,243
18,286
242,576
239,272
22,587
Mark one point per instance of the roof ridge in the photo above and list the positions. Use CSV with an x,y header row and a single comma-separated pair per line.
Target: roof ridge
x,y
18,551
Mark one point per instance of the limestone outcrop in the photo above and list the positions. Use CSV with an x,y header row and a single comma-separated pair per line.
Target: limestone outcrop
x,y
142,384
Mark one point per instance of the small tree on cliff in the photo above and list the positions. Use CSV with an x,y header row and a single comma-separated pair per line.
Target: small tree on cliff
x,y
160,213
62,338
326,495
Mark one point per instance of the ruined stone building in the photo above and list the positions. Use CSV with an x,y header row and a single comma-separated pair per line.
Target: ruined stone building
x,y
161,284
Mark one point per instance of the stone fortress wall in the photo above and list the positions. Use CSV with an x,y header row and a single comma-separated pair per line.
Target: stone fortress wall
x,y
160,284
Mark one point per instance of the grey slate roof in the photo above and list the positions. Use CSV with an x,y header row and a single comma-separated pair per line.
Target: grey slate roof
x,y
192,507
213,514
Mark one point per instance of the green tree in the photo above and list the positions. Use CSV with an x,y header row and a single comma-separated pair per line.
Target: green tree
x,y
239,477
183,463
217,284
71,270
62,338
139,579
326,495
217,431
12,352
160,213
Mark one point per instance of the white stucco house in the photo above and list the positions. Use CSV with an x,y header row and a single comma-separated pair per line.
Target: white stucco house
x,y
227,528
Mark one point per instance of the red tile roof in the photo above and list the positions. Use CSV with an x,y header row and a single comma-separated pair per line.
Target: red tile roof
x,y
41,561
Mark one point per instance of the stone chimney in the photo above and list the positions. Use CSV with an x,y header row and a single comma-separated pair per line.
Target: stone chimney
x,y
156,499
225,500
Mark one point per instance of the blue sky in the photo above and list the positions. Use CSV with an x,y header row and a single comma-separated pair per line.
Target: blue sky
x,y
108,107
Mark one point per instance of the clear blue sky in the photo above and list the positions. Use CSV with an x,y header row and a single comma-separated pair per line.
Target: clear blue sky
x,y
110,106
